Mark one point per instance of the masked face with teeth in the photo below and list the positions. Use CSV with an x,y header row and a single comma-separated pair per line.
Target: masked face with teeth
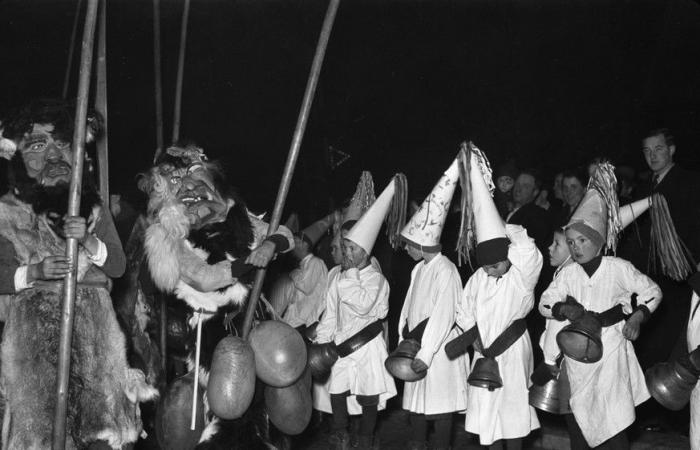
x,y
196,189
46,156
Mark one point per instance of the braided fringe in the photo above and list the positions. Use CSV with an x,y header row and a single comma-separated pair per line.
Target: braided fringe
x,y
666,246
605,183
364,193
465,238
396,219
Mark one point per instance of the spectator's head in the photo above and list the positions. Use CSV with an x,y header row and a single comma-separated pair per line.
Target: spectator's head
x,y
659,147
557,187
573,187
526,188
505,176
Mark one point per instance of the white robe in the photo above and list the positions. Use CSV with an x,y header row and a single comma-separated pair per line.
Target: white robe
x,y
434,292
493,304
548,340
693,341
308,298
356,299
604,394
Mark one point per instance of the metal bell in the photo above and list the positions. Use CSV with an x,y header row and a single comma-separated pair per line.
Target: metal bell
x,y
321,358
485,374
670,384
399,361
581,341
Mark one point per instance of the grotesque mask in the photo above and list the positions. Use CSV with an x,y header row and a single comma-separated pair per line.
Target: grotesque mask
x,y
47,157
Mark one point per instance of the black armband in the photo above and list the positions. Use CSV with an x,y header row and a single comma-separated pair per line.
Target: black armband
x,y
281,243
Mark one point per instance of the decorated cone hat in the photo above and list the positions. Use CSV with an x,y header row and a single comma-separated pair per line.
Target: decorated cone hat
x,y
630,211
598,215
361,200
491,241
292,222
424,229
313,233
364,232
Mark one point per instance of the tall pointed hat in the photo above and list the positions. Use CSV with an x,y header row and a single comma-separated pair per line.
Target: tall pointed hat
x,y
598,215
292,222
314,232
424,229
630,211
491,241
390,205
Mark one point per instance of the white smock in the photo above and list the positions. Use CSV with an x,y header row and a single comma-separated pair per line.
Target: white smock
x,y
493,304
604,394
308,299
693,342
434,293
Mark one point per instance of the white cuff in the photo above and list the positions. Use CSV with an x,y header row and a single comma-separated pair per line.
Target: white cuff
x,y
100,257
21,278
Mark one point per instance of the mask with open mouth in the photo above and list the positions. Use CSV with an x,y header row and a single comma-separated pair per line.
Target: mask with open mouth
x,y
204,204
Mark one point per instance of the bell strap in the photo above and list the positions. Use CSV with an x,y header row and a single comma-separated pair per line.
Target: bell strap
x,y
360,338
459,345
507,338
417,332
612,316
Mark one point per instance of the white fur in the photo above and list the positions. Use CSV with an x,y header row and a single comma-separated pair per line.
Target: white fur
x,y
211,301
210,430
137,389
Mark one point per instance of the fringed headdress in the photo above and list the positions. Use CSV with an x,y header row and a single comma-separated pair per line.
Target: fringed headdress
x,y
666,246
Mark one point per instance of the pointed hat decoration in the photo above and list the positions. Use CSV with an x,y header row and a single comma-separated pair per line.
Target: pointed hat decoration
x,y
314,232
492,243
598,215
361,200
425,227
391,204
630,211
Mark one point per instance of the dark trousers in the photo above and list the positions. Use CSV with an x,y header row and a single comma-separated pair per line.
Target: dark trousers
x,y
369,404
442,424
578,442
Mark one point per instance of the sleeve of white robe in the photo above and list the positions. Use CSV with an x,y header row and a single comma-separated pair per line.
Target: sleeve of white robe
x,y
404,308
325,331
447,287
648,293
306,277
555,293
465,308
524,255
363,296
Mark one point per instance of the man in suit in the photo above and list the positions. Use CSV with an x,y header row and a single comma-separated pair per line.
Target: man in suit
x,y
534,219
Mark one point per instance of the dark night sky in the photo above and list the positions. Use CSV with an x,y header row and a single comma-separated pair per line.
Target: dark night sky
x,y
551,83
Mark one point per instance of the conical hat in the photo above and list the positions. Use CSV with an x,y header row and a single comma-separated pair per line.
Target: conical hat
x,y
489,224
316,230
591,217
362,199
292,222
364,232
630,211
425,227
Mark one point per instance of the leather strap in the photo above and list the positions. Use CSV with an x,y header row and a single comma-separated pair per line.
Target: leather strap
x,y
417,332
459,345
507,338
360,338
612,316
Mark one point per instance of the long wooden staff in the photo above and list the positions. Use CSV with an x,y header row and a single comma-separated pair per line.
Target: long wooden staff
x,y
71,49
101,104
180,71
293,152
59,425
158,79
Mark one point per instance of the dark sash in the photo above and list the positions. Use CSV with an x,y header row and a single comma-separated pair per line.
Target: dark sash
x,y
417,332
360,338
459,345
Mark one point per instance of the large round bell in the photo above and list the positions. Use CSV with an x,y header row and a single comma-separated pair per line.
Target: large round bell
x,y
321,359
581,341
399,361
174,415
289,408
546,397
231,384
670,384
280,353
485,374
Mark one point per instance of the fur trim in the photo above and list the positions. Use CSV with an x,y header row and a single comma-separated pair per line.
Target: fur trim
x,y
211,301
210,430
137,389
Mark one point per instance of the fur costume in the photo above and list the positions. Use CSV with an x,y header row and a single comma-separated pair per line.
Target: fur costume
x,y
206,255
103,391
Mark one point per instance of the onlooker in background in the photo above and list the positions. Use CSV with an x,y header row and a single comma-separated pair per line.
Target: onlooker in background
x,y
505,177
535,219
573,187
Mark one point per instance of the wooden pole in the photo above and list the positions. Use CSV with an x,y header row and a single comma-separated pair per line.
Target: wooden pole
x,y
101,104
71,48
293,152
158,79
59,425
180,71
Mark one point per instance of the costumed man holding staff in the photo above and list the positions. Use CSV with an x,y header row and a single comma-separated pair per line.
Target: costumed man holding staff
x,y
428,316
357,303
308,297
103,391
496,300
606,383
201,245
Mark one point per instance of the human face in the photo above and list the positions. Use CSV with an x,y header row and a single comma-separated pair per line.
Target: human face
x,y
414,253
525,190
504,183
558,250
353,255
573,191
558,193
497,270
195,188
658,154
337,250
47,160
582,249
